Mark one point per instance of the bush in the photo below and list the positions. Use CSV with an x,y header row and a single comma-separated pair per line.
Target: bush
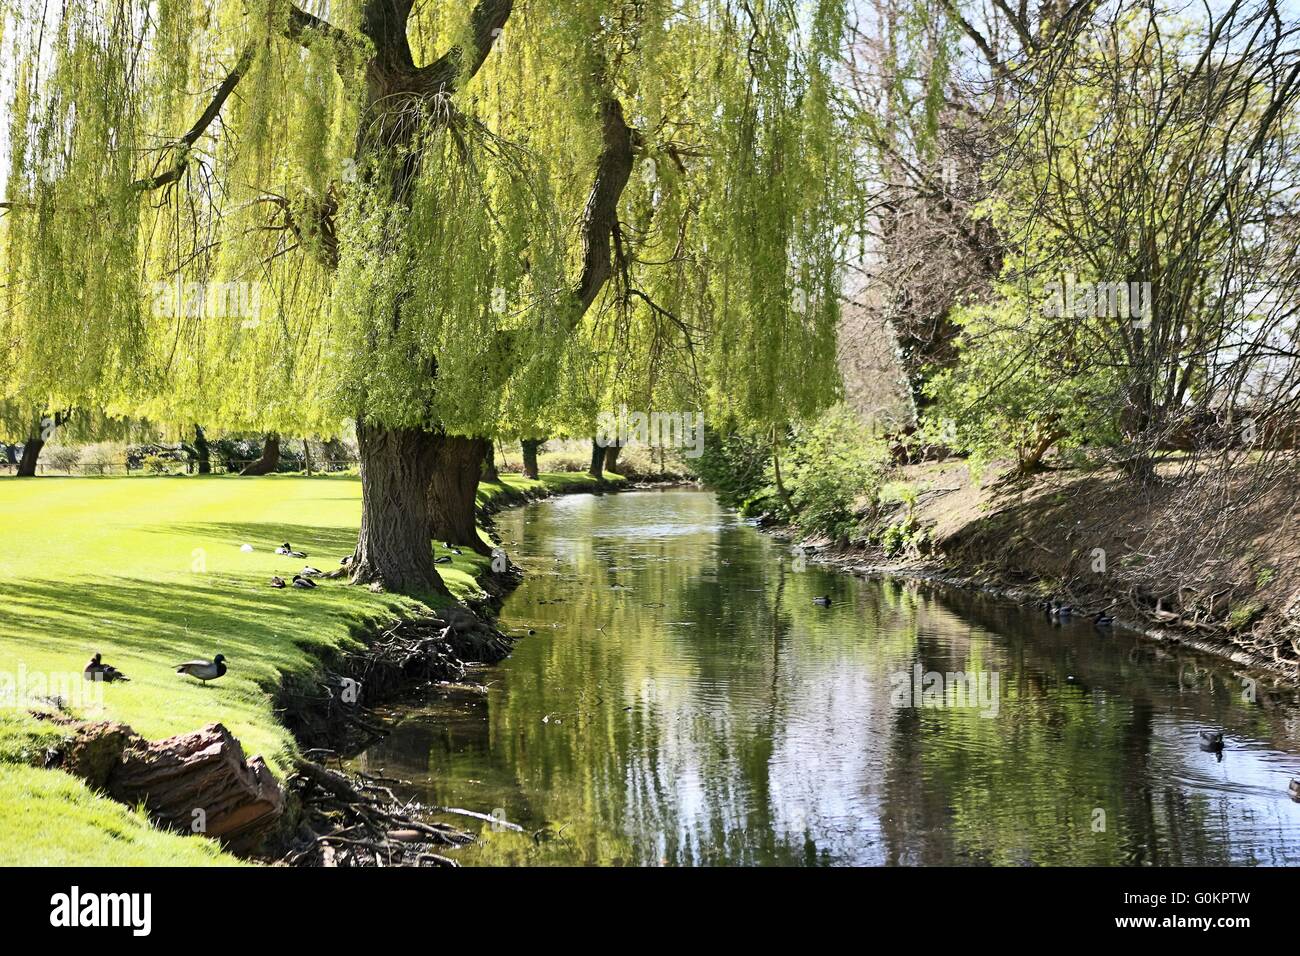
x,y
563,461
155,464
138,455
1020,388
103,458
64,458
835,463
734,465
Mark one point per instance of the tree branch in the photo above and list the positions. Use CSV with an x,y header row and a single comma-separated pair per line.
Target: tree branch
x,y
600,216
486,23
205,119
999,68
303,28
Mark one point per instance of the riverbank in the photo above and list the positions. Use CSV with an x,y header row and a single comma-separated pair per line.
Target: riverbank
x,y
1164,559
152,571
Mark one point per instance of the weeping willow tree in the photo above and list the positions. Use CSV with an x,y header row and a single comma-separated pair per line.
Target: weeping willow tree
x,y
437,221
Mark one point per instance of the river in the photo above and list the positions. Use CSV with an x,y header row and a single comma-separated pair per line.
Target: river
x,y
677,698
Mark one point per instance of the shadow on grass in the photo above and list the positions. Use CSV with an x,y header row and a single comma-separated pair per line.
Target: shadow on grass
x,y
172,621
319,543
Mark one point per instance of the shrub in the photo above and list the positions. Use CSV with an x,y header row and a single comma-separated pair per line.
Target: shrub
x,y
834,463
736,466
563,461
65,458
102,458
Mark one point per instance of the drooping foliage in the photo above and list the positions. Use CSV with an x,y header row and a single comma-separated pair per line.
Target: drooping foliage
x,y
267,217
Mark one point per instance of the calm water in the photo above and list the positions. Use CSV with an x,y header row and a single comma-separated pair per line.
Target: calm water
x,y
683,701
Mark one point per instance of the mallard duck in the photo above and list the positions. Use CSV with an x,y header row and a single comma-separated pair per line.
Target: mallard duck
x,y
1211,739
277,582
442,560
286,549
309,572
1102,619
1164,616
204,670
300,582
1061,610
451,547
98,670
1294,789
822,601
345,560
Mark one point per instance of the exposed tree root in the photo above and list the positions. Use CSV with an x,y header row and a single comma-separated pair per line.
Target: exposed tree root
x,y
358,821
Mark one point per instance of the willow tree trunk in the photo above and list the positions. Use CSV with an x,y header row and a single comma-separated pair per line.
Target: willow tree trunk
x,y
611,458
397,469
453,490
204,453
270,459
530,447
31,451
490,472
597,469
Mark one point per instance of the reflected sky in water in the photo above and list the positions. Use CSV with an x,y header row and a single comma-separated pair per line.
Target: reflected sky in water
x,y
684,702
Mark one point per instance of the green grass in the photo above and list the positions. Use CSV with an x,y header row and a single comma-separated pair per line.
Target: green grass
x,y
49,818
149,572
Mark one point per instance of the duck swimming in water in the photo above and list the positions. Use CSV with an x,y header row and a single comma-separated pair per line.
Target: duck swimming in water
x,y
1211,740
1102,619
98,670
822,601
286,549
1294,790
204,670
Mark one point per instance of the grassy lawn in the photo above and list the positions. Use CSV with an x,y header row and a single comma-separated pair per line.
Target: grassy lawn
x,y
150,572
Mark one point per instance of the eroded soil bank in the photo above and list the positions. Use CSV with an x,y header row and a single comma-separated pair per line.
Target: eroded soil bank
x,y
1214,566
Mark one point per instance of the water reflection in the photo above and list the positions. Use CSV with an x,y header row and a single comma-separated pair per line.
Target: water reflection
x,y
684,702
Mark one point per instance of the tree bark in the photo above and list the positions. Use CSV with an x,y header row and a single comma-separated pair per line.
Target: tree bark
x,y
490,472
270,459
306,456
530,447
31,451
393,550
201,446
776,473
453,491
597,469
611,458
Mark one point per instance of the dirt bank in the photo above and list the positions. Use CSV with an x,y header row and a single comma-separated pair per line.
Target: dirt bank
x,y
1213,564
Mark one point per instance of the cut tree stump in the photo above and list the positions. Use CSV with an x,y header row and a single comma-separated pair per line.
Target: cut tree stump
x,y
200,783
